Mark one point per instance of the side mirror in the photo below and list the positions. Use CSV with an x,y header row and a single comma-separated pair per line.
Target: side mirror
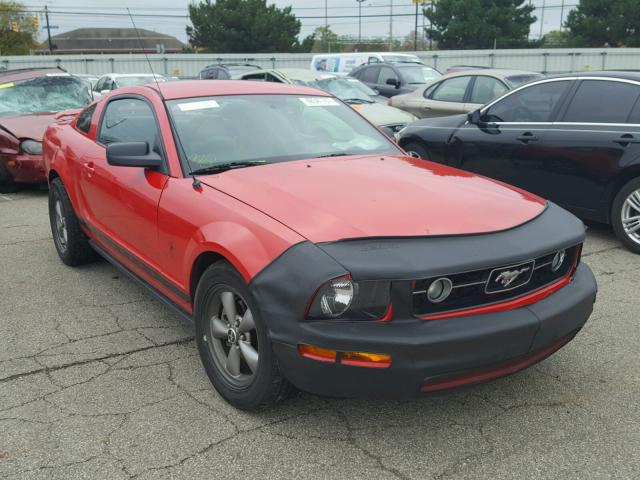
x,y
474,117
132,154
393,82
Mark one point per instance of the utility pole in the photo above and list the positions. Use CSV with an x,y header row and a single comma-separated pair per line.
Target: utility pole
x,y
46,16
561,15
542,17
360,20
391,25
415,32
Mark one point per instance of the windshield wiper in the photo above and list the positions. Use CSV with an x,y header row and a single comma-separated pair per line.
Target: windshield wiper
x,y
334,155
356,100
223,167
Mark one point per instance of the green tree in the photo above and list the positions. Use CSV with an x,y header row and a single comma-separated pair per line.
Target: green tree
x,y
599,23
18,29
556,39
242,26
326,40
461,24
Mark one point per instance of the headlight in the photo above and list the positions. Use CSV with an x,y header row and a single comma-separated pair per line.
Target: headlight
x,y
31,147
348,300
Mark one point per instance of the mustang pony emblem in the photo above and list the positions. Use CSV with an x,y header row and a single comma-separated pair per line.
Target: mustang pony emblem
x,y
507,277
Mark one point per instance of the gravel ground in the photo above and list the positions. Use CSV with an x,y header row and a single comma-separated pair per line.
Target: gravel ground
x,y
99,381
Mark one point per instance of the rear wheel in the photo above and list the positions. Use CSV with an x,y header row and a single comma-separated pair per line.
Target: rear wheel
x,y
625,215
71,242
417,150
233,342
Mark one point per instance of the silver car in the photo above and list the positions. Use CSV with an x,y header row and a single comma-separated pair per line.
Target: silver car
x,y
350,90
461,92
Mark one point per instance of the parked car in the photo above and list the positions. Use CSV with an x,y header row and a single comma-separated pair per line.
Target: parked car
x,y
395,79
307,248
349,90
30,99
344,63
574,139
226,71
461,92
89,78
113,81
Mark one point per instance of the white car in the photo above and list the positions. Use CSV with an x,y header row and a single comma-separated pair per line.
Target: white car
x,y
112,81
343,63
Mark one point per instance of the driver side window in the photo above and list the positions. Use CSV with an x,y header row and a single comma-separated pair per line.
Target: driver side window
x,y
534,104
129,120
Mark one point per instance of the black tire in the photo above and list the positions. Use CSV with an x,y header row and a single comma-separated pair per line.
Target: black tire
x,y
631,241
74,249
266,385
415,149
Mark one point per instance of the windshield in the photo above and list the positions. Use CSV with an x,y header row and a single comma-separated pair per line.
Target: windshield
x,y
271,128
43,94
348,89
141,80
517,80
418,74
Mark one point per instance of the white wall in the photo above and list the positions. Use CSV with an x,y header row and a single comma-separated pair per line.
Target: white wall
x,y
540,60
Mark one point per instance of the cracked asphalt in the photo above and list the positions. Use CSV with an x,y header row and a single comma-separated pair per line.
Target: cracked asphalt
x,y
99,381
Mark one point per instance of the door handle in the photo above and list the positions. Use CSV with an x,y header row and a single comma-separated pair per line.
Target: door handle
x,y
88,166
626,139
527,137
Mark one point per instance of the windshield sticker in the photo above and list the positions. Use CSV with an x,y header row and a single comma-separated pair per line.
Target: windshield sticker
x,y
7,85
319,102
202,105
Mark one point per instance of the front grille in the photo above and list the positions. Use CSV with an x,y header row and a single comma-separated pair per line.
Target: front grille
x,y
493,285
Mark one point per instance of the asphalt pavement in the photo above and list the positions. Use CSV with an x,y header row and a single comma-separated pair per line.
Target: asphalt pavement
x,y
100,381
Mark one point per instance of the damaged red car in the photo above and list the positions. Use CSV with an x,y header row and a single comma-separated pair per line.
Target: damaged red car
x,y
29,101
308,249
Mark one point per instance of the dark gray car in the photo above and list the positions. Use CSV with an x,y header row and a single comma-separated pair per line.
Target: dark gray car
x,y
392,79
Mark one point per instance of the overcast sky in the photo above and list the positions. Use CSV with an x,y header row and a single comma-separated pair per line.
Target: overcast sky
x,y
371,27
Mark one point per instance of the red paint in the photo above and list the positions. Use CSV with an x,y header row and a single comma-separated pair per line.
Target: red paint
x,y
483,375
204,88
366,196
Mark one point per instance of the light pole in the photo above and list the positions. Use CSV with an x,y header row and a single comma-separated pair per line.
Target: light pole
x,y
360,20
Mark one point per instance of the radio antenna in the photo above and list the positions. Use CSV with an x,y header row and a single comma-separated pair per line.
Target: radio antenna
x,y
196,182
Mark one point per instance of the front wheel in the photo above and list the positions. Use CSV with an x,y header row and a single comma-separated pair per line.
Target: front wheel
x,y
233,342
71,242
416,150
625,215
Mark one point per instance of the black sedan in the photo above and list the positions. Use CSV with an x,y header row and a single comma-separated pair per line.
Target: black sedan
x,y
574,139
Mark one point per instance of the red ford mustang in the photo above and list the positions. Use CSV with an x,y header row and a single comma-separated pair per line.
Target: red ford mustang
x,y
308,249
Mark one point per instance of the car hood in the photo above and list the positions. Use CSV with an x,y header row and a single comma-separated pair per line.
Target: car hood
x,y
382,115
28,126
372,196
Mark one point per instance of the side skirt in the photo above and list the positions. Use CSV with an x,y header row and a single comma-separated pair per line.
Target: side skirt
x,y
150,288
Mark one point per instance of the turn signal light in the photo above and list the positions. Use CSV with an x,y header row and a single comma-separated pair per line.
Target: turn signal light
x,y
355,359
364,359
317,353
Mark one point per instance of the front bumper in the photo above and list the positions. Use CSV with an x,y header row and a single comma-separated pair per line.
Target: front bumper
x,y
424,352
24,168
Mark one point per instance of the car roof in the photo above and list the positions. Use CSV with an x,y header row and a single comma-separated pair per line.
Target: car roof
x,y
623,75
122,75
26,73
304,75
492,72
207,88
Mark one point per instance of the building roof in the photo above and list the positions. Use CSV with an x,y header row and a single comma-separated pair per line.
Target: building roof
x,y
113,40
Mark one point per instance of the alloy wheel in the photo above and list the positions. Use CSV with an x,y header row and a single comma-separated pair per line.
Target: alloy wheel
x,y
60,226
231,336
630,216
